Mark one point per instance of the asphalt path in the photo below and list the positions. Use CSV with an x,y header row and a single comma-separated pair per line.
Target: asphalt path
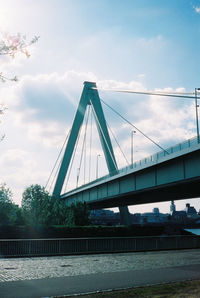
x,y
70,285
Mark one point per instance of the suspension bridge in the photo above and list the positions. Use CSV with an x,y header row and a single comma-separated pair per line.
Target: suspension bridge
x,y
170,174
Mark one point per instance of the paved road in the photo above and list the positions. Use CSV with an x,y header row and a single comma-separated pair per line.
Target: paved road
x,y
53,276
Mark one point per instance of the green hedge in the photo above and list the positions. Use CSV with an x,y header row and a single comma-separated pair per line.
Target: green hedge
x,y
27,232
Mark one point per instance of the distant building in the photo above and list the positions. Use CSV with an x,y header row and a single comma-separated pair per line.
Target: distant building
x,y
179,216
105,217
191,211
172,207
108,217
151,217
135,218
156,211
185,216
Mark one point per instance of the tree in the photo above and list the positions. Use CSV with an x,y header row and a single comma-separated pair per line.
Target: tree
x,y
81,214
11,45
8,210
74,215
37,205
61,214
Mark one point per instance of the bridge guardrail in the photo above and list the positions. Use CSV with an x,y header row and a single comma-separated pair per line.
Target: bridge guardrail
x,y
71,246
154,157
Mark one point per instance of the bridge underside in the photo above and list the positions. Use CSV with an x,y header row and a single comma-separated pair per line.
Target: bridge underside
x,y
173,191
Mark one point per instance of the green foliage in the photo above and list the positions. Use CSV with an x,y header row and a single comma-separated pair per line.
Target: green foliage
x,y
81,214
5,194
40,208
36,205
61,215
75,215
173,290
8,210
19,217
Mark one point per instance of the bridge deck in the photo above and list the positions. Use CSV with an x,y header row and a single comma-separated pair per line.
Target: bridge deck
x,y
170,166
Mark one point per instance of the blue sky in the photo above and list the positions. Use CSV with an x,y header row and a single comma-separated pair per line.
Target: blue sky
x,y
140,45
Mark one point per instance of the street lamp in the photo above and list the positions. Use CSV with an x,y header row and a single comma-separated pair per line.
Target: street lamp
x,y
132,133
197,118
97,167
77,176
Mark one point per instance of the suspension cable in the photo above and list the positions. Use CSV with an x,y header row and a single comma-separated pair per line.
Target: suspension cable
x,y
54,178
117,143
57,159
133,126
169,94
72,159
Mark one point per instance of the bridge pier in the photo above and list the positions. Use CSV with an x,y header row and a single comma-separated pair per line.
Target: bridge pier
x,y
125,217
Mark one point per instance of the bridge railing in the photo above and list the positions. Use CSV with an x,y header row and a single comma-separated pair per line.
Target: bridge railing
x,y
155,157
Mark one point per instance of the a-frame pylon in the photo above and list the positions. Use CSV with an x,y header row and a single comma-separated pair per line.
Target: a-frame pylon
x,y
90,96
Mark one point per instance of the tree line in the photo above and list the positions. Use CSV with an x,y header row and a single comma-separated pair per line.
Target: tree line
x,y
38,207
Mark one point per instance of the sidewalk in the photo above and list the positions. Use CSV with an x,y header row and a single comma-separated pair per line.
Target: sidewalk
x,y
67,275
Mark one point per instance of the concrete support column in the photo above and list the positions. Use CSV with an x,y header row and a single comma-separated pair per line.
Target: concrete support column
x,y
125,217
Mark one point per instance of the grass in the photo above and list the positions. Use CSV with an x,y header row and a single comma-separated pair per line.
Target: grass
x,y
186,289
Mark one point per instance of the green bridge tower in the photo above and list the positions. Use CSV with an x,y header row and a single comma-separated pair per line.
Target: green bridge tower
x,y
90,96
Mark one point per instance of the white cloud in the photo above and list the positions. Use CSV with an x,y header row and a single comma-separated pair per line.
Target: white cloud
x,y
197,9
19,170
42,105
41,111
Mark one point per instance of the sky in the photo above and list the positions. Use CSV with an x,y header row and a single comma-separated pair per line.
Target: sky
x,y
137,45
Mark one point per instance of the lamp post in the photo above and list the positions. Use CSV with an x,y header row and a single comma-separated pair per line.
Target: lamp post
x,y
97,166
132,133
77,176
197,118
